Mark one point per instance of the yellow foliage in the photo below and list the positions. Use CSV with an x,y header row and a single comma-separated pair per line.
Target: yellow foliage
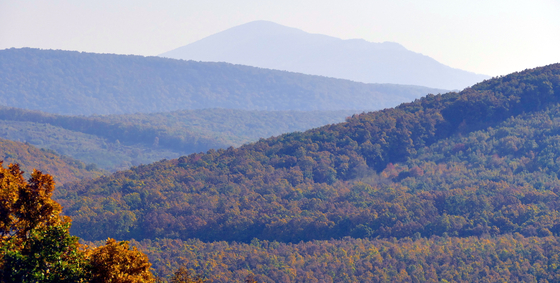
x,y
117,263
28,216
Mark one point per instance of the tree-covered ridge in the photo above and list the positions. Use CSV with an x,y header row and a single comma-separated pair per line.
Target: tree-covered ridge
x,y
110,155
66,82
491,182
322,183
120,141
112,130
232,126
63,168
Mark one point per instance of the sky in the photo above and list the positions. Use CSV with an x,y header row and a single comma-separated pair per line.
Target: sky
x,y
492,37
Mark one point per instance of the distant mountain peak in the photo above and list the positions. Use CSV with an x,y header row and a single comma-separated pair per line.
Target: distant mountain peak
x,y
262,28
270,45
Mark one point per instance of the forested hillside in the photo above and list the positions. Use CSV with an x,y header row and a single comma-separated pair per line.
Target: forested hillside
x,y
68,82
120,141
448,181
231,126
504,258
64,169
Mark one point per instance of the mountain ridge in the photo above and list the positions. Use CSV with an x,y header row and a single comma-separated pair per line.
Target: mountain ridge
x,y
64,169
70,82
321,164
116,142
270,45
458,187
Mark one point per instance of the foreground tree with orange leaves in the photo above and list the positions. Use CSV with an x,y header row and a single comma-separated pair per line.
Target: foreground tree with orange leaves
x,y
36,246
116,262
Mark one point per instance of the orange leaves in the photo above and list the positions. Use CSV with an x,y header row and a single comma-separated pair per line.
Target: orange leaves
x,y
26,206
116,262
36,244
63,169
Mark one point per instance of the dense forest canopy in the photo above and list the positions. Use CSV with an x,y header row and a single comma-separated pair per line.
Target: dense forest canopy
x,y
504,258
68,82
305,186
461,186
465,171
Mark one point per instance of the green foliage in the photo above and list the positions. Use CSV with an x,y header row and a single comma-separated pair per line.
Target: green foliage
x,y
36,246
35,243
47,255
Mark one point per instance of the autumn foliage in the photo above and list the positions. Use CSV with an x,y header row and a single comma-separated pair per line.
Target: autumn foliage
x,y
36,245
504,258
479,165
63,169
444,163
460,187
116,262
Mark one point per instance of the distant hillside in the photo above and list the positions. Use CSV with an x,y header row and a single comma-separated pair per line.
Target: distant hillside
x,y
269,45
458,187
232,126
62,168
105,153
67,82
262,190
116,142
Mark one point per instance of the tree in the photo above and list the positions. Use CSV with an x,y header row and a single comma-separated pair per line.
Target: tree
x,y
26,206
47,255
116,262
35,242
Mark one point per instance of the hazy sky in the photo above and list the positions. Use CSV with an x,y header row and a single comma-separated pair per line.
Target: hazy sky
x,y
492,37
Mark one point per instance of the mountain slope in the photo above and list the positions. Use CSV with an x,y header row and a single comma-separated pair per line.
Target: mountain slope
x,y
75,83
458,187
231,126
62,168
269,45
263,189
507,258
116,142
